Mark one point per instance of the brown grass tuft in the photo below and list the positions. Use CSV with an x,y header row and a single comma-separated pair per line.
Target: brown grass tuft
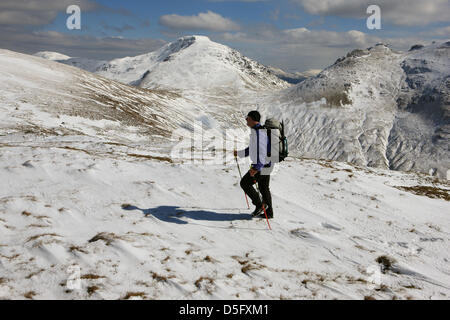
x,y
92,277
430,192
130,295
209,259
42,235
158,277
209,283
92,289
108,238
386,263
30,295
75,248
143,156
31,275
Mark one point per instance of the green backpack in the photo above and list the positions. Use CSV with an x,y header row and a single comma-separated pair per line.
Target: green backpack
x,y
274,124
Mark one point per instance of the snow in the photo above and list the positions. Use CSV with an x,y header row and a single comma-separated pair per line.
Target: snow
x,y
93,204
45,96
53,56
190,63
185,223
375,107
382,108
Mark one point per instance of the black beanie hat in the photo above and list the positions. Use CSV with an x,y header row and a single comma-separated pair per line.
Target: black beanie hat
x,y
255,115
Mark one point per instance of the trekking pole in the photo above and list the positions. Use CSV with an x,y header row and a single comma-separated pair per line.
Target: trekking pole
x,y
265,212
240,174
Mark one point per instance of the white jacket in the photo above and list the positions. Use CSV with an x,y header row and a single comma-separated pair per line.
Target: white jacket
x,y
258,149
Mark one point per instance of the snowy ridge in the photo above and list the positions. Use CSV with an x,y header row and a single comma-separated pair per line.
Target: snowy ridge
x,y
293,78
374,107
207,65
92,206
190,63
53,56
133,228
420,138
45,97
370,108
81,63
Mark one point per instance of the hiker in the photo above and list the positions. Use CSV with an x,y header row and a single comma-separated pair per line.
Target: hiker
x,y
261,168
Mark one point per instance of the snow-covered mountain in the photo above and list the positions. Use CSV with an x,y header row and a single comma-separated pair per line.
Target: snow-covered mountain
x,y
190,63
48,98
293,77
374,107
93,205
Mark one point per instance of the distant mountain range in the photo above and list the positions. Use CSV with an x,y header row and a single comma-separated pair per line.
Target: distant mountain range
x,y
190,63
374,107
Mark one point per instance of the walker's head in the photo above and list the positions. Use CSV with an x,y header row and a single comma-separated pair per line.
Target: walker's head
x,y
253,118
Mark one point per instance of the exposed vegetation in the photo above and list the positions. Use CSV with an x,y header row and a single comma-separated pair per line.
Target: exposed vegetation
x,y
428,191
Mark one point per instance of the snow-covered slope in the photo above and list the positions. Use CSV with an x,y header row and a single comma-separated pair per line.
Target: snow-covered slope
x,y
45,97
190,63
90,65
93,205
51,99
293,78
220,82
89,222
206,65
53,56
375,107
422,126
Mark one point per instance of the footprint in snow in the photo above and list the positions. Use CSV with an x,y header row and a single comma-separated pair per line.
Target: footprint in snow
x,y
330,226
295,222
27,164
302,234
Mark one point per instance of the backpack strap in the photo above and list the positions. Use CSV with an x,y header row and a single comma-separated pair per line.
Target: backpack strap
x,y
269,143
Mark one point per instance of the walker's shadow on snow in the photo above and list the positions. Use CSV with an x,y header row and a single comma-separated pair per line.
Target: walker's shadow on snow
x,y
173,214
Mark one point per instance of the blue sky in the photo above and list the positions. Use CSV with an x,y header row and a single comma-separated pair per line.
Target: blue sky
x,y
245,13
296,35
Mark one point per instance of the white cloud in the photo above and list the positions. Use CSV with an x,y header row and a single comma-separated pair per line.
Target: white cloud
x,y
398,12
105,48
208,21
38,12
303,36
302,49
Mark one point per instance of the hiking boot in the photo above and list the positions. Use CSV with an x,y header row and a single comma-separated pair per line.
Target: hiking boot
x,y
269,212
263,216
259,210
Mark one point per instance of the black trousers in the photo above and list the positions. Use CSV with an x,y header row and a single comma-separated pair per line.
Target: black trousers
x,y
263,181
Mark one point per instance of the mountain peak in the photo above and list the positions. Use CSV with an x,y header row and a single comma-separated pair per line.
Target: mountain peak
x,y
201,38
193,63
